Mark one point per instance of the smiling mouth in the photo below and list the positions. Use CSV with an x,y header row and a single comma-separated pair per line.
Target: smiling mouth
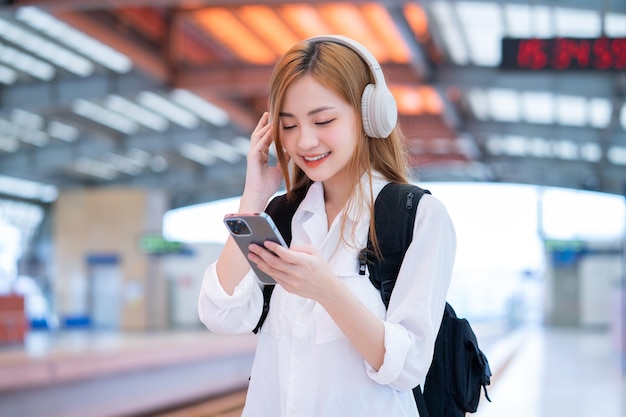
x,y
316,158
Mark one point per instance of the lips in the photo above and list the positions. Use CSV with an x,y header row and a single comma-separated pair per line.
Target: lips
x,y
315,160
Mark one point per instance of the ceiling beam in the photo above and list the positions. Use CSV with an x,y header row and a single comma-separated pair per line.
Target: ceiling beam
x,y
614,6
245,80
150,63
89,4
237,81
419,61
579,134
575,83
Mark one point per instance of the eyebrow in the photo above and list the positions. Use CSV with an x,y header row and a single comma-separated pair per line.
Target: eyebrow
x,y
312,112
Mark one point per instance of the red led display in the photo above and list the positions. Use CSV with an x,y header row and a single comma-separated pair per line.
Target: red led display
x,y
563,54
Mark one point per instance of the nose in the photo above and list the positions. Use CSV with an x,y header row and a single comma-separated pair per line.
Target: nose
x,y
307,139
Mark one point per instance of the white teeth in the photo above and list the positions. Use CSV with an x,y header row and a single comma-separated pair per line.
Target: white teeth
x,y
317,158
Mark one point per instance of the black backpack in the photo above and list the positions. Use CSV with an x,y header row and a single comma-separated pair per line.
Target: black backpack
x,y
459,368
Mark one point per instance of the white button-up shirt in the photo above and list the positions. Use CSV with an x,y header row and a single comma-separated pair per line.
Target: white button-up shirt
x,y
304,364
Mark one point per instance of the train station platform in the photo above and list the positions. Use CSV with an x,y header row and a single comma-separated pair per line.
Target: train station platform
x,y
538,372
559,372
95,374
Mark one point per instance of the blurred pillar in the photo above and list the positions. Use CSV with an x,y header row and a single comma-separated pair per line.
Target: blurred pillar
x,y
623,299
107,222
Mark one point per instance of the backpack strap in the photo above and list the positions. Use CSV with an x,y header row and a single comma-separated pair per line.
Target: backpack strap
x,y
281,209
394,216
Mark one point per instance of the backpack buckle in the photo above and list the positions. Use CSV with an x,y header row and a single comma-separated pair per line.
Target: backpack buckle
x,y
362,262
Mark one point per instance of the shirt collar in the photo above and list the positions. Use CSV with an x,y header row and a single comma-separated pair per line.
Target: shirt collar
x,y
313,202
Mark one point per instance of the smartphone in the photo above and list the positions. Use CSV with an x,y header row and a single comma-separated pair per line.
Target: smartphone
x,y
247,228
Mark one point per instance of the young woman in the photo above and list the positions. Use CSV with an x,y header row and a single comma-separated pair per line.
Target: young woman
x,y
329,347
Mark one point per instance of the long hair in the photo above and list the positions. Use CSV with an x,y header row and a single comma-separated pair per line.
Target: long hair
x,y
342,70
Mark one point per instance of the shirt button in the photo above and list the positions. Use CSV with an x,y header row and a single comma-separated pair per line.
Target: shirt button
x,y
295,363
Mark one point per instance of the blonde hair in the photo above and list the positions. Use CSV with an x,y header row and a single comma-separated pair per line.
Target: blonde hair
x,y
342,70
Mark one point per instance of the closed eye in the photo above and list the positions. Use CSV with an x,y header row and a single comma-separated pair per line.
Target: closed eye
x,y
325,122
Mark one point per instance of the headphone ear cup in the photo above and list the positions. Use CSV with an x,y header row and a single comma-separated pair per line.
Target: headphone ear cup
x,y
379,111
366,109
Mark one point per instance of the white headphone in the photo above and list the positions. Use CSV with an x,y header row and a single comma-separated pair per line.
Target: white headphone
x,y
378,106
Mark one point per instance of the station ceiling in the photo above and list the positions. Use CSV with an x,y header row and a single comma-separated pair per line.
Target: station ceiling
x,y
165,93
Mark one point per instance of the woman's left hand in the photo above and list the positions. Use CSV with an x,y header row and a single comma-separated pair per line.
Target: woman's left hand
x,y
299,270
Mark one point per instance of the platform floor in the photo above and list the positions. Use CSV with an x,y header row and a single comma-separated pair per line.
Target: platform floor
x,y
560,372
538,372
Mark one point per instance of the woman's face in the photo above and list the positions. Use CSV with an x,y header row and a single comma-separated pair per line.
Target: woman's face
x,y
318,130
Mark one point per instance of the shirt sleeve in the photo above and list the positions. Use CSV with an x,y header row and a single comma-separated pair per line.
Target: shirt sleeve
x,y
224,313
418,299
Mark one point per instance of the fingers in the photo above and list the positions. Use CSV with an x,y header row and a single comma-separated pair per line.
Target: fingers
x,y
262,129
265,254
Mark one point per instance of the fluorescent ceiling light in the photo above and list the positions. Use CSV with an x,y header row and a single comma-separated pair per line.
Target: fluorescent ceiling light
x,y
482,26
515,145
207,111
62,131
615,24
139,157
33,137
479,103
139,114
541,22
577,23
27,119
87,46
158,163
168,109
30,190
571,110
104,116
45,49
26,63
504,105
565,149
241,145
538,107
95,168
518,20
197,153
622,116
9,143
524,21
466,145
599,112
494,145
520,146
590,152
452,37
539,148
224,151
121,163
8,129
617,155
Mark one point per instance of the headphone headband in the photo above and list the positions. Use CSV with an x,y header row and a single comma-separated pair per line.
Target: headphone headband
x,y
378,106
367,56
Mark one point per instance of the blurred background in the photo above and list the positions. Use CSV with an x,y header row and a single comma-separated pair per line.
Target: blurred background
x,y
124,127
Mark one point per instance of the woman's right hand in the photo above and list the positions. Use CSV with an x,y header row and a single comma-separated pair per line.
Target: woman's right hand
x,y
262,180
